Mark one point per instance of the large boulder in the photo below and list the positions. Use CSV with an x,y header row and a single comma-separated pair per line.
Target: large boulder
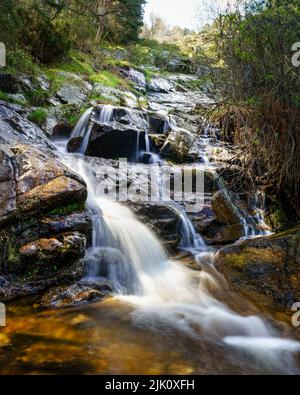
x,y
224,210
33,182
265,269
43,253
123,136
43,229
15,128
137,77
114,142
178,145
72,94
159,84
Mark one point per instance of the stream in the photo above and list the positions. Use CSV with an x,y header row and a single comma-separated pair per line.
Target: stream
x,y
163,317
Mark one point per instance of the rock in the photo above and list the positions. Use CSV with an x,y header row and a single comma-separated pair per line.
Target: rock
x,y
229,234
15,287
56,192
72,94
179,66
159,84
108,93
17,129
130,100
17,97
224,209
66,247
162,220
76,294
118,139
114,142
266,269
54,224
7,187
34,182
137,77
27,82
177,145
159,124
44,83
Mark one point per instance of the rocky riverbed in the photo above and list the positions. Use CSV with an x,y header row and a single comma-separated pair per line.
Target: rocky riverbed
x,y
46,224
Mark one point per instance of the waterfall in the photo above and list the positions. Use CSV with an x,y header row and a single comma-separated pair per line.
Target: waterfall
x,y
190,240
82,125
129,255
106,114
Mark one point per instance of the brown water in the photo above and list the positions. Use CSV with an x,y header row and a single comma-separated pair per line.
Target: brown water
x,y
102,338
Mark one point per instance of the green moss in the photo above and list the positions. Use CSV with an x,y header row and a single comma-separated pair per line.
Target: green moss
x,y
105,100
13,257
108,78
5,97
69,209
38,116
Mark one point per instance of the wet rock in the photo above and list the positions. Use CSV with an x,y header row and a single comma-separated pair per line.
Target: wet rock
x,y
16,287
56,192
177,145
123,138
43,82
158,124
17,97
162,220
137,77
266,269
159,84
17,129
72,94
66,223
229,234
114,142
7,187
33,182
63,248
224,209
108,93
76,294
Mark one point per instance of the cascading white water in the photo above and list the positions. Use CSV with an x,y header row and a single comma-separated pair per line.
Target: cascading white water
x,y
106,114
190,240
83,127
132,258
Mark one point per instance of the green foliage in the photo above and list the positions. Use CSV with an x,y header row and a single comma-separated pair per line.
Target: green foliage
x,y
260,83
32,25
38,116
48,29
110,79
69,209
20,61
